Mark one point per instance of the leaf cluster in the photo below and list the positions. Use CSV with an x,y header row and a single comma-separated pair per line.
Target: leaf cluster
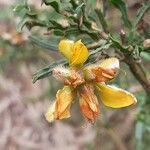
x,y
85,20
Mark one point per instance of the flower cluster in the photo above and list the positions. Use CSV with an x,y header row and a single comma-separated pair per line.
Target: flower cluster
x,y
83,81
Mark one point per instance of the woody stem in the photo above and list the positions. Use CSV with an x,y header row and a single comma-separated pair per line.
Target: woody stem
x,y
137,70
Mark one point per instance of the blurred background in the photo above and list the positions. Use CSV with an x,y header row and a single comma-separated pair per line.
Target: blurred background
x,y
23,104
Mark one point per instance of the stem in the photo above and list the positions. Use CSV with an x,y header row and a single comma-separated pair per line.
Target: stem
x,y
94,45
138,72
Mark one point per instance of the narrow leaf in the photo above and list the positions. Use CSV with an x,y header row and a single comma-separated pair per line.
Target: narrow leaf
x,y
56,24
141,13
47,71
120,4
20,7
53,3
42,43
22,23
79,9
58,32
101,19
117,44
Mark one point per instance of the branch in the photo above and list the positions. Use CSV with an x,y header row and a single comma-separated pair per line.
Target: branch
x,y
138,72
94,45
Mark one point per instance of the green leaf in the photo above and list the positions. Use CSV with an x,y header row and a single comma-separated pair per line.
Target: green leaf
x,y
101,19
22,23
54,4
145,56
58,32
32,15
72,33
79,9
42,43
65,1
73,3
56,24
47,71
18,8
93,34
120,4
117,44
141,13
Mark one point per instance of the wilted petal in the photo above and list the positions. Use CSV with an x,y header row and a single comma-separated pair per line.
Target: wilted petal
x,y
70,76
89,103
103,71
60,109
75,79
115,97
50,113
79,54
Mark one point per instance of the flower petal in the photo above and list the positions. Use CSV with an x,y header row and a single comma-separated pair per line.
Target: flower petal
x,y
79,54
70,76
115,97
65,47
50,113
89,103
109,63
60,109
103,71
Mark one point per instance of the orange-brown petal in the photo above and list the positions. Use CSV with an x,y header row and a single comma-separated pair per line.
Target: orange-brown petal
x,y
103,71
88,103
76,78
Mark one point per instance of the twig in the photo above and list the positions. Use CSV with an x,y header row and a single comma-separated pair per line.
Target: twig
x,y
138,72
94,45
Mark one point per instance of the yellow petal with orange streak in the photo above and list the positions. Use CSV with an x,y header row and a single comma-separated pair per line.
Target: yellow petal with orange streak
x,y
102,71
79,54
115,97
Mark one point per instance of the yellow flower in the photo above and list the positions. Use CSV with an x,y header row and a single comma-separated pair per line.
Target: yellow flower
x,y
84,80
75,52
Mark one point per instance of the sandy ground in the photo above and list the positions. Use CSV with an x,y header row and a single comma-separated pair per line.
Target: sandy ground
x,y
23,126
